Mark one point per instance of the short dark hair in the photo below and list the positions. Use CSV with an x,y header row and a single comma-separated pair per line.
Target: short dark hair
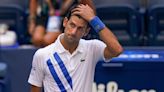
x,y
69,14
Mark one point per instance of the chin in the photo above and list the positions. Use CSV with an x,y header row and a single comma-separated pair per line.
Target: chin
x,y
72,41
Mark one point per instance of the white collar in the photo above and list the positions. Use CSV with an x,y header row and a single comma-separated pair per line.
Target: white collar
x,y
60,49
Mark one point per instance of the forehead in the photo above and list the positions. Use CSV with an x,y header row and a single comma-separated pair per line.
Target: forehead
x,y
78,21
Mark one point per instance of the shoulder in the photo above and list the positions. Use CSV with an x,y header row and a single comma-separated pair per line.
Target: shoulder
x,y
44,51
91,42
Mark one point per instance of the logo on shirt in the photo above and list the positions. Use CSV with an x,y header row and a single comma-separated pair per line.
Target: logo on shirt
x,y
82,60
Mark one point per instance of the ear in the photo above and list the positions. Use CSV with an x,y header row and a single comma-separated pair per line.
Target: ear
x,y
65,21
87,31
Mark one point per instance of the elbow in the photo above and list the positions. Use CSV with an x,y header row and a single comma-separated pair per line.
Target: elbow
x,y
118,51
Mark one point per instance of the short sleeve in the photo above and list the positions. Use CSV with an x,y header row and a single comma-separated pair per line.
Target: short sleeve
x,y
98,50
36,74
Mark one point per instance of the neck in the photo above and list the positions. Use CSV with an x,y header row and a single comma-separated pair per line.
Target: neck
x,y
71,47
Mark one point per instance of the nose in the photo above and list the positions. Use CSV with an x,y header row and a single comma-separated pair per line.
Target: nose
x,y
74,30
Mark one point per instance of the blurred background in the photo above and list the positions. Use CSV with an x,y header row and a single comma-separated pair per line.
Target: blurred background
x,y
138,25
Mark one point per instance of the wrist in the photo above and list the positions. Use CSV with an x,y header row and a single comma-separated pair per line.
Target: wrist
x,y
96,24
31,17
89,19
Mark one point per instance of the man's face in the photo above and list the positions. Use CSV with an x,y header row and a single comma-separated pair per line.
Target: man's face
x,y
75,28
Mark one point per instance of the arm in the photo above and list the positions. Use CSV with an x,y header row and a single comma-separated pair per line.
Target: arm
x,y
33,7
35,89
32,16
36,75
113,48
51,8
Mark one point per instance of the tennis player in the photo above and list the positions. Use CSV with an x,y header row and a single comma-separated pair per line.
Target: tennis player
x,y
68,64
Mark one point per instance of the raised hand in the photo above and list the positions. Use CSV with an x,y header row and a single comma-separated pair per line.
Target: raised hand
x,y
84,11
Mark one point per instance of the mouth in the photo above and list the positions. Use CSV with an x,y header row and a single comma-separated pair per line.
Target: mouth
x,y
71,36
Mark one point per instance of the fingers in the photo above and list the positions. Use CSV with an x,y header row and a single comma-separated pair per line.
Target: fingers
x,y
84,11
76,10
80,8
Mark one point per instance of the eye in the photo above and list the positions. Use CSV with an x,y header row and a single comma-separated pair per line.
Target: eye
x,y
72,25
80,29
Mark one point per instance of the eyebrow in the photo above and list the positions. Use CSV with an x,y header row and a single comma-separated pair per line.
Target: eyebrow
x,y
76,25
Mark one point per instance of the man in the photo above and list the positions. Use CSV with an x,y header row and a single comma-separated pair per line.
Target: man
x,y
68,64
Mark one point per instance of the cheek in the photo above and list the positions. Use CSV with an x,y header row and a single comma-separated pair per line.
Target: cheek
x,y
66,30
81,34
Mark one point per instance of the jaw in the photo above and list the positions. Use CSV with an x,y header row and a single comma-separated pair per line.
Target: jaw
x,y
70,40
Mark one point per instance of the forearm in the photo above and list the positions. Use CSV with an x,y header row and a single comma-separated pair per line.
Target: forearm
x,y
50,5
32,16
113,46
33,7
